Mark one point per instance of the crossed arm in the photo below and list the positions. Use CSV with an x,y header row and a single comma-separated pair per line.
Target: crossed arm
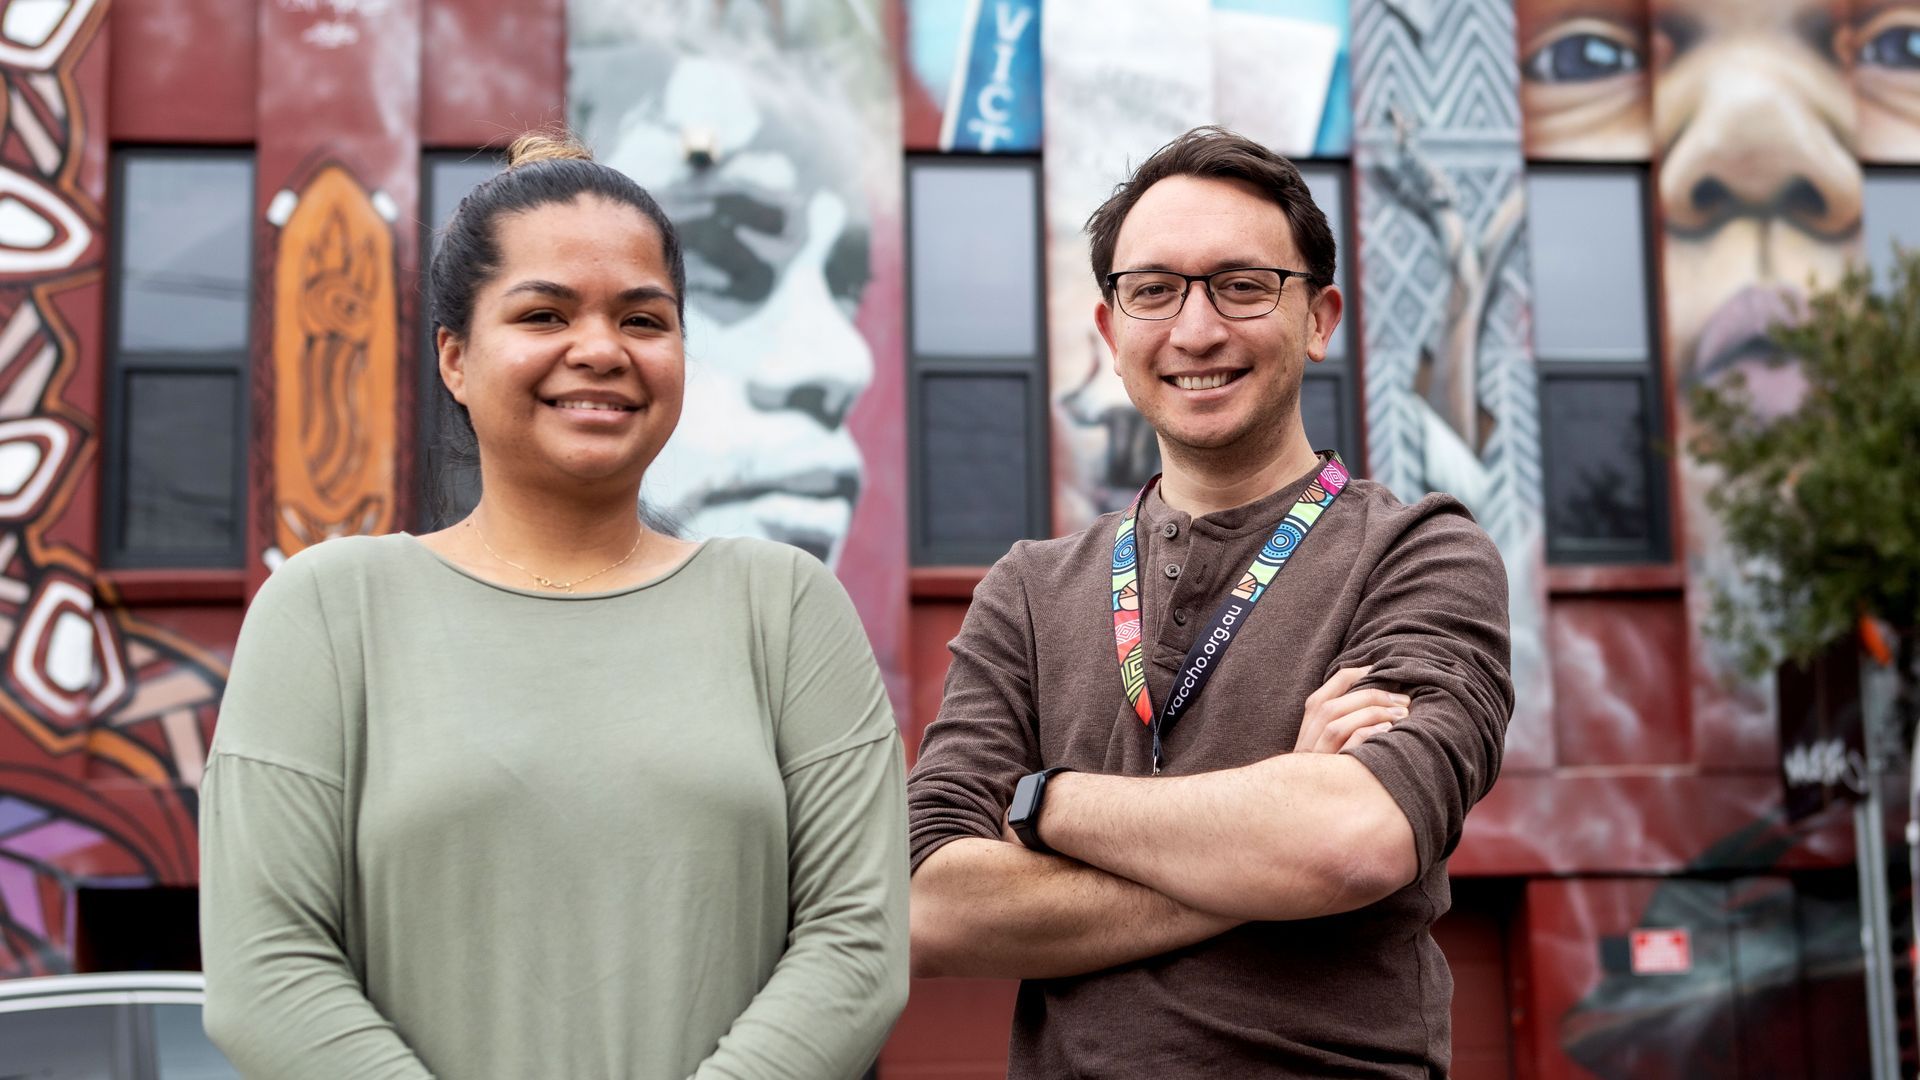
x,y
1150,865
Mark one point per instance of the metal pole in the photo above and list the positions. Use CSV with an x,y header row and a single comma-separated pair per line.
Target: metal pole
x,y
1913,854
1873,938
1869,828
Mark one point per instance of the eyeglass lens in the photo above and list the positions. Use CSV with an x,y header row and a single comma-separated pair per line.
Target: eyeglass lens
x,y
1237,294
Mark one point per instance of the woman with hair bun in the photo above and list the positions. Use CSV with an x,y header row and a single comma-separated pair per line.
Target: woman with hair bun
x,y
551,793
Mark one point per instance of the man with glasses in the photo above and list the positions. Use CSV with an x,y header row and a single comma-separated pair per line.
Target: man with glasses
x,y
1135,799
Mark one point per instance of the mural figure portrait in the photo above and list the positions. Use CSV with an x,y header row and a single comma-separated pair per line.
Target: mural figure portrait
x,y
763,149
1757,114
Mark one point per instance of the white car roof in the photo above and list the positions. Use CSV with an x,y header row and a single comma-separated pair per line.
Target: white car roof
x,y
102,988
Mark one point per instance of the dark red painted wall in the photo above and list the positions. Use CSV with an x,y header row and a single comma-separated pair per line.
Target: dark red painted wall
x,y
184,70
491,69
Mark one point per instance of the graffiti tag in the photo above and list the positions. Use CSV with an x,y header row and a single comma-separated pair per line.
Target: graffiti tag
x,y
1824,763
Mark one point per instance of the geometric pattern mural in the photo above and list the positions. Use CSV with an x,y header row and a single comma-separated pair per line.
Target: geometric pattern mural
x,y
1451,391
103,719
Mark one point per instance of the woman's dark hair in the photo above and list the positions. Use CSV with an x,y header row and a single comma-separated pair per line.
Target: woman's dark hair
x,y
1218,154
542,170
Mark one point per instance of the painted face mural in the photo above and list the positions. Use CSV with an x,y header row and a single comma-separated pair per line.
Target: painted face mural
x,y
1758,113
760,163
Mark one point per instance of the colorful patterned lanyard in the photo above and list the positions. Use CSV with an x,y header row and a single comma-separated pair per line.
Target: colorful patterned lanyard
x,y
1210,646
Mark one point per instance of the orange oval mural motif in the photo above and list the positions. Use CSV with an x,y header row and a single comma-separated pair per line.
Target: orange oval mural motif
x,y
335,366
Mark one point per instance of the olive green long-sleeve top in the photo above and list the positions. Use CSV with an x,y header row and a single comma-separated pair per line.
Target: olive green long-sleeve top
x,y
455,829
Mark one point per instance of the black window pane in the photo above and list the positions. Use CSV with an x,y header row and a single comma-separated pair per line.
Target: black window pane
x,y
1324,415
974,475
181,1048
74,1043
1587,232
184,253
1598,455
180,445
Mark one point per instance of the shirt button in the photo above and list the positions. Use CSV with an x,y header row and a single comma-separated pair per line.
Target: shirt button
x,y
1173,570
1180,615
1170,531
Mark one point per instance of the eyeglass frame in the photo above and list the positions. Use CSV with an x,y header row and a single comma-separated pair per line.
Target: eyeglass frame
x,y
1113,290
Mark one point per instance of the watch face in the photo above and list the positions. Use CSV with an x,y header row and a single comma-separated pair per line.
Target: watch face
x,y
1023,799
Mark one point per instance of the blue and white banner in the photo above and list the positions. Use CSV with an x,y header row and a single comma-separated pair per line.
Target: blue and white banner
x,y
993,100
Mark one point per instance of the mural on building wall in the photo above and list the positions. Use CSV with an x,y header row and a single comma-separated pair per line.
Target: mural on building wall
x,y
1116,89
1451,398
770,134
1757,120
339,162
336,364
974,68
104,719
1120,84
1760,194
1761,129
1586,85
1700,978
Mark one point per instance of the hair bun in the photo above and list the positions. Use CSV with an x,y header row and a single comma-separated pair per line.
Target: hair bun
x,y
535,146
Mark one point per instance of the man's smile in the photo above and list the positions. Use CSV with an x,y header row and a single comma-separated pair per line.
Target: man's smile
x,y
1205,381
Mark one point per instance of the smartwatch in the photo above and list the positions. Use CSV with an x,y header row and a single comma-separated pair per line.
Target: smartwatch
x,y
1024,813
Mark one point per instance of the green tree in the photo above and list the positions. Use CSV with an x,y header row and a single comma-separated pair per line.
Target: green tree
x,y
1825,501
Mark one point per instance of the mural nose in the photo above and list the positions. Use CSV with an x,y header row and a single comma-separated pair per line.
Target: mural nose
x,y
1757,149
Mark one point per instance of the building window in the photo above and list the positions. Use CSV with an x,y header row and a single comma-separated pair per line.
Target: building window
x,y
175,476
1890,216
1600,405
977,357
449,467
1329,398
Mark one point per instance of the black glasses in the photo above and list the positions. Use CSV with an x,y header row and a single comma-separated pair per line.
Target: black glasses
x,y
1245,292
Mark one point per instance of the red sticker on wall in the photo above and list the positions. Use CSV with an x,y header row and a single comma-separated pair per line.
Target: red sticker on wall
x,y
1662,952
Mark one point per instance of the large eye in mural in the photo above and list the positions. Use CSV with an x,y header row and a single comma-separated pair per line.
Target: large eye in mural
x,y
849,268
1886,71
736,243
1582,55
1584,86
1896,46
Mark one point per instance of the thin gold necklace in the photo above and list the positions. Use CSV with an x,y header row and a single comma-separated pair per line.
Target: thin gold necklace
x,y
547,582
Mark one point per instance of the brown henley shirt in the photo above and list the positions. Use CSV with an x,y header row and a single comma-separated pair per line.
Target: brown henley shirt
x,y
1417,591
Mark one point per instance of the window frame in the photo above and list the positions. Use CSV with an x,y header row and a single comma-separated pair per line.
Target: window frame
x,y
923,551
1595,551
115,469
1648,373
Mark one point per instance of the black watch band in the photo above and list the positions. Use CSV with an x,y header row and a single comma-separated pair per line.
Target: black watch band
x,y
1024,813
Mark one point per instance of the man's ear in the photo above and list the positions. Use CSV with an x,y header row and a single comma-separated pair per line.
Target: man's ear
x,y
453,362
1103,321
1325,309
